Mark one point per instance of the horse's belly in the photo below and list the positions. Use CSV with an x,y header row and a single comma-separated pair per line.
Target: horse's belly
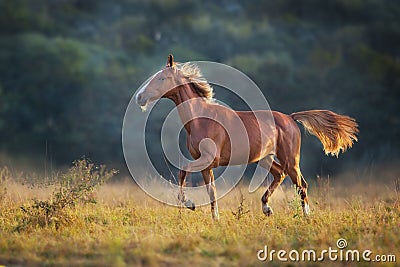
x,y
249,149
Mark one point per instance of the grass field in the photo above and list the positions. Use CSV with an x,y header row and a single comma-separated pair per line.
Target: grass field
x,y
124,227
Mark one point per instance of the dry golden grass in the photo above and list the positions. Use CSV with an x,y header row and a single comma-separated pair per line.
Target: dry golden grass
x,y
127,228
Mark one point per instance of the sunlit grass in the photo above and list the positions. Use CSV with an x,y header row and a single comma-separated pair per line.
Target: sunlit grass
x,y
127,228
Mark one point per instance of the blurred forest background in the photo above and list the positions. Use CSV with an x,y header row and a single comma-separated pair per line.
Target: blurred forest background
x,y
68,69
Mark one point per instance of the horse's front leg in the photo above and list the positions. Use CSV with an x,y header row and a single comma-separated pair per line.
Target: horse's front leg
x,y
181,196
209,158
208,176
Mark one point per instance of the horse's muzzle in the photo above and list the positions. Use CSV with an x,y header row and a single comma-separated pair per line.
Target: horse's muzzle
x,y
140,99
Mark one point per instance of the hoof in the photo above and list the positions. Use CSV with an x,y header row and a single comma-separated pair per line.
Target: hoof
x,y
190,205
267,210
306,210
215,217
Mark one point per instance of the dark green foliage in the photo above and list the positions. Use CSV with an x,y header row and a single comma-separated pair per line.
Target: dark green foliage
x,y
69,68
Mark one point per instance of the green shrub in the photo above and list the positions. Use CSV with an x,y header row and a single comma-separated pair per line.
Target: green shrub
x,y
75,186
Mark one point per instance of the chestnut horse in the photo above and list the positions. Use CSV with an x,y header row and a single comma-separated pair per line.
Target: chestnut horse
x,y
186,87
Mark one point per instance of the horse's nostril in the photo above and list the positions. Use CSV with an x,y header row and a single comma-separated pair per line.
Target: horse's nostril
x,y
138,98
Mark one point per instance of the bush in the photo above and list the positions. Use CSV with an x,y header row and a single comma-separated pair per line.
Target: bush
x,y
75,186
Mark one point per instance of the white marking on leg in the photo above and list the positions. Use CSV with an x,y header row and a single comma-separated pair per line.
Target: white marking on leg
x,y
306,209
215,213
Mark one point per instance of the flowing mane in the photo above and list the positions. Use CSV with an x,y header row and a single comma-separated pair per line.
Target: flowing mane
x,y
193,73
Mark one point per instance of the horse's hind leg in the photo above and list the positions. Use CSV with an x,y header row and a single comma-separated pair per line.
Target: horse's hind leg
x,y
301,184
208,177
279,175
288,153
181,196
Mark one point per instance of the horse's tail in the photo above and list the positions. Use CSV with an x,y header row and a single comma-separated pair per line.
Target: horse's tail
x,y
336,132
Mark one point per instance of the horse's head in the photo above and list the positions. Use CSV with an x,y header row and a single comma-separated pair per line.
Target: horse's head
x,y
159,85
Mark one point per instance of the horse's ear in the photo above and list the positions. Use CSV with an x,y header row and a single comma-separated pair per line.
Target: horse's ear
x,y
170,61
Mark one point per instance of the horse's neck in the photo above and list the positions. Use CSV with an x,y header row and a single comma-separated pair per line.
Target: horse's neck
x,y
190,106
